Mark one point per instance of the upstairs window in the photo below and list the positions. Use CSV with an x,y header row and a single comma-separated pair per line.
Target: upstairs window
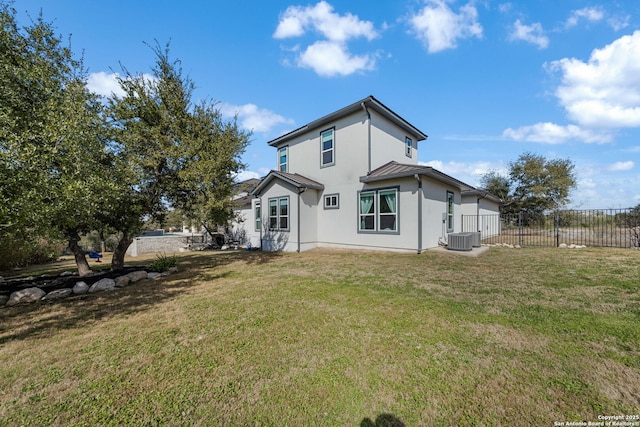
x,y
409,146
327,148
283,159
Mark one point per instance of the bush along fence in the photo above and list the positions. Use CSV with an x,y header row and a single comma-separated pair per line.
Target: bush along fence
x,y
618,228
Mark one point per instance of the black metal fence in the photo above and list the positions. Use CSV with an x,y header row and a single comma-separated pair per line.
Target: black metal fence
x,y
618,228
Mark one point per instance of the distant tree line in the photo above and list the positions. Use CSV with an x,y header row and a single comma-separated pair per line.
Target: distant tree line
x,y
72,163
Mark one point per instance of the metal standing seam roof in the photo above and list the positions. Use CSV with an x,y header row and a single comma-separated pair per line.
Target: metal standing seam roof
x,y
394,169
370,102
294,179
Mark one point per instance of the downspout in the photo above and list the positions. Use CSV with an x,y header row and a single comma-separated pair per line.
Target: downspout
x,y
417,177
300,191
366,110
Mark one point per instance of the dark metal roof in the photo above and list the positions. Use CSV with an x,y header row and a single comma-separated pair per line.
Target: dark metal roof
x,y
370,102
294,179
394,170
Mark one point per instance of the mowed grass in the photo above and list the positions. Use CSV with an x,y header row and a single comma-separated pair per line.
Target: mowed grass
x,y
336,338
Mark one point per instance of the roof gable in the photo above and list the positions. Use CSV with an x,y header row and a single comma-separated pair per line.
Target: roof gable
x,y
370,103
298,181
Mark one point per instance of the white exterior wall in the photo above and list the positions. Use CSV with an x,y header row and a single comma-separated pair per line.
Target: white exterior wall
x,y
339,227
388,143
489,211
434,207
301,206
246,225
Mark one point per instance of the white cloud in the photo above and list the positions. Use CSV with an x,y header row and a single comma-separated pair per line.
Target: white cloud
x,y
296,20
619,22
551,133
605,90
621,166
467,172
245,175
104,84
330,56
591,14
439,28
530,33
600,96
328,59
253,118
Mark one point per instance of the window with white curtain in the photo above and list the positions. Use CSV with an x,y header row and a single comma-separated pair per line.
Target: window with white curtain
x,y
378,210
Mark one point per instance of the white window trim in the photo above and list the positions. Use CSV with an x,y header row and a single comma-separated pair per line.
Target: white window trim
x,y
409,146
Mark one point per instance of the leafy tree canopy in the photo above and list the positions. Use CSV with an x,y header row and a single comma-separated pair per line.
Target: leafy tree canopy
x,y
534,184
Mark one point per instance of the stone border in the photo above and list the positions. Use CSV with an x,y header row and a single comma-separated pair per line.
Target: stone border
x,y
34,293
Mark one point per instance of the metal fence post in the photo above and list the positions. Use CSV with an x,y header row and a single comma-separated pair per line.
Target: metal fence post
x,y
520,237
556,226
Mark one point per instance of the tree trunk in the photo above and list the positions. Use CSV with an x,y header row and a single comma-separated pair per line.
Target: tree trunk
x,y
117,262
78,254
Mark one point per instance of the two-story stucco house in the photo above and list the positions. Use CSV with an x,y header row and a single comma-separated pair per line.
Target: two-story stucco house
x,y
351,179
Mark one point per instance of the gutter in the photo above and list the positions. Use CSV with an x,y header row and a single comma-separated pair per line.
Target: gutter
x,y
366,110
417,177
300,191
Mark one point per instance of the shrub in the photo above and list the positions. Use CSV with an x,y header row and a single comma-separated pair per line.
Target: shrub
x,y
17,251
163,263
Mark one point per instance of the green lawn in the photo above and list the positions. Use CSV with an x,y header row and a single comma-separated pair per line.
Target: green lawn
x,y
334,338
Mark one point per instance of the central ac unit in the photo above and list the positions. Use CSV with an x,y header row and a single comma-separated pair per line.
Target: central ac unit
x,y
460,242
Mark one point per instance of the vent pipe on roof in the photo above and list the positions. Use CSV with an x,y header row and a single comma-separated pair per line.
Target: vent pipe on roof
x,y
366,110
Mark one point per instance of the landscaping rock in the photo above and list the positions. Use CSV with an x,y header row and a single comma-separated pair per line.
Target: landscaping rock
x,y
136,276
80,288
173,270
154,275
66,273
25,295
122,281
103,285
58,293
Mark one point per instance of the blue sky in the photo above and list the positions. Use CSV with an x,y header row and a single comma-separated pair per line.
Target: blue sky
x,y
486,80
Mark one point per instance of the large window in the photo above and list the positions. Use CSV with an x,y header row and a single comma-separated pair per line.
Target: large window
x,y
279,214
450,206
378,210
409,146
327,148
283,159
258,219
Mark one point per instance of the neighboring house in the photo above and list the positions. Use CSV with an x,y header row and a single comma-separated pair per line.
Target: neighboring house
x,y
242,226
351,179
